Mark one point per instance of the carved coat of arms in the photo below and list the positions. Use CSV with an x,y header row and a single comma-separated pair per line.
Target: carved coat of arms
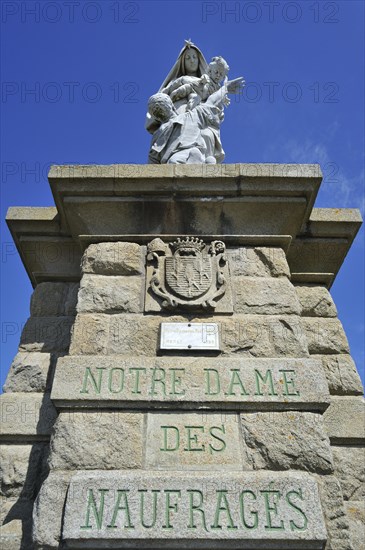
x,y
187,272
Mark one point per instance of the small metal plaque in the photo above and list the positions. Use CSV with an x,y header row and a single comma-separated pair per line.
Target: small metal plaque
x,y
194,336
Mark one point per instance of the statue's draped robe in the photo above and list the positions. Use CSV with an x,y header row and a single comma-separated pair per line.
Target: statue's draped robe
x,y
197,128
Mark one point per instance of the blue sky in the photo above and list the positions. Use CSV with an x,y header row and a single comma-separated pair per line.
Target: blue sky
x,y
93,65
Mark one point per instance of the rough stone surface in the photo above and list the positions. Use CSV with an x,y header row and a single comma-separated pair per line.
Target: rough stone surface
x,y
117,258
193,441
16,524
22,469
100,440
90,334
267,296
109,294
29,373
325,336
189,382
345,420
46,334
48,510
286,440
316,301
54,299
349,465
341,374
244,335
132,173
334,513
300,489
258,262
26,414
356,516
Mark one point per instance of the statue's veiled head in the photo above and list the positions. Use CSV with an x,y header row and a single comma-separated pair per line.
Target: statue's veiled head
x,y
191,61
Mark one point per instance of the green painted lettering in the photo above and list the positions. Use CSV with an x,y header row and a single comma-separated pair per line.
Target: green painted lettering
x,y
236,381
193,438
154,507
166,446
158,380
265,380
121,380
209,373
223,506
122,493
91,506
293,525
170,507
255,515
137,371
223,443
176,382
271,508
289,388
96,382
195,508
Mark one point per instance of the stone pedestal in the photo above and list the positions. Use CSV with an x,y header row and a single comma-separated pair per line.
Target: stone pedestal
x,y
112,441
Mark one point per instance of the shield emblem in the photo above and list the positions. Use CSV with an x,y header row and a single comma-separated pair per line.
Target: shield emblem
x,y
187,273
188,276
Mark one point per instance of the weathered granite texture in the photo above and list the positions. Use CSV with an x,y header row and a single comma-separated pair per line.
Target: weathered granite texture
x,y
286,441
258,262
48,510
111,294
221,519
114,259
193,441
349,463
29,372
54,299
237,201
121,381
337,522
243,335
345,420
355,511
341,374
316,301
27,413
97,440
325,335
280,316
270,296
16,523
22,469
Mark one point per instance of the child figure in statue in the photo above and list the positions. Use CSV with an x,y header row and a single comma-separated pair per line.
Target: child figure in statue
x,y
196,89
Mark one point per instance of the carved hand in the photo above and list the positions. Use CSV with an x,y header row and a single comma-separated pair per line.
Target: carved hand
x,y
236,86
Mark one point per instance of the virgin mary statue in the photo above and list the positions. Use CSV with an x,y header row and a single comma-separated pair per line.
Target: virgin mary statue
x,y
190,62
184,117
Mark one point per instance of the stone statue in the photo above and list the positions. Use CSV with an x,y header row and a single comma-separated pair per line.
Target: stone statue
x,y
184,117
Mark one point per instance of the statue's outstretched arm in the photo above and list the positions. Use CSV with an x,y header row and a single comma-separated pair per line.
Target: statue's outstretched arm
x,y
229,87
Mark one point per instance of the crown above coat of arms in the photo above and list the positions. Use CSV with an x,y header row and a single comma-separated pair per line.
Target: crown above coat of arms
x,y
188,244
